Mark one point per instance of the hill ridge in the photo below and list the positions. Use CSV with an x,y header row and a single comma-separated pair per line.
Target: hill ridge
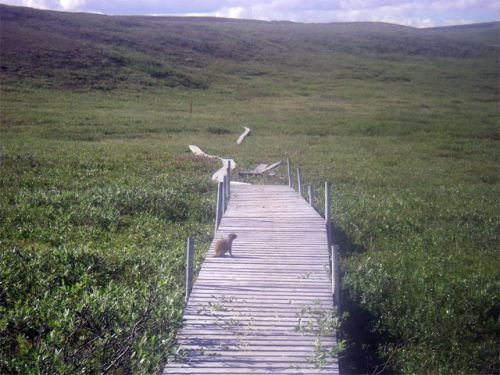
x,y
75,50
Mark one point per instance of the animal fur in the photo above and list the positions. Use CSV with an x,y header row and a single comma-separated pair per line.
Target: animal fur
x,y
224,245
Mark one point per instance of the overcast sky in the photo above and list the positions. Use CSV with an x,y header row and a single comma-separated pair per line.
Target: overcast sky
x,y
419,13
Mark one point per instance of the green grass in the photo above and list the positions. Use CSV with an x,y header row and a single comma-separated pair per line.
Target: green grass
x,y
93,241
99,190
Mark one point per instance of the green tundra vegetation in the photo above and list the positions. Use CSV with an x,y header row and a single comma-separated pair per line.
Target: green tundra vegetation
x,y
98,190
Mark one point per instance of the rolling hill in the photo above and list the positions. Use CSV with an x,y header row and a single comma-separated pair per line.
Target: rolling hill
x,y
73,50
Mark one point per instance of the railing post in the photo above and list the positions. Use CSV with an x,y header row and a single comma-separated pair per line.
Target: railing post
x,y
228,178
224,206
218,209
311,195
299,182
289,164
327,212
189,267
335,275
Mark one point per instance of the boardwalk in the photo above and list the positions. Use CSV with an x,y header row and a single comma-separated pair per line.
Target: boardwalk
x,y
266,310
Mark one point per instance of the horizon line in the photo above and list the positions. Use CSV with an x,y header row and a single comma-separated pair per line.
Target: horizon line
x,y
208,16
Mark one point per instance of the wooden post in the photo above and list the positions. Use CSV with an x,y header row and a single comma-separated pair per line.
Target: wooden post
x,y
311,195
327,212
224,206
228,178
299,182
189,267
327,201
289,164
218,210
335,275
190,106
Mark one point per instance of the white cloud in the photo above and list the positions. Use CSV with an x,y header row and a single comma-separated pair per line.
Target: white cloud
x,y
40,4
353,11
418,13
234,12
67,5
72,4
458,4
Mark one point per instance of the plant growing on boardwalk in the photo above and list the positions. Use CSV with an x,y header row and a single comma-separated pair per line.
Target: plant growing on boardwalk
x,y
316,320
321,356
220,303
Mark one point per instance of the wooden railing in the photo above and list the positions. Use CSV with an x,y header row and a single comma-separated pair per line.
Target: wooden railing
x,y
334,250
223,195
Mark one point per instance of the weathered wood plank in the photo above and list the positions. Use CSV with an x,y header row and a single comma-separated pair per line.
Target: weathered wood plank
x,y
245,312
241,138
288,370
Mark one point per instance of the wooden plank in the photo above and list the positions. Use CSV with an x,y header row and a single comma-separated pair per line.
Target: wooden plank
x,y
241,138
244,311
255,337
260,169
284,370
226,365
220,173
287,370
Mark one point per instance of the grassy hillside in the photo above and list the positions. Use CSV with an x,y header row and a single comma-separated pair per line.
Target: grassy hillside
x,y
99,190
83,50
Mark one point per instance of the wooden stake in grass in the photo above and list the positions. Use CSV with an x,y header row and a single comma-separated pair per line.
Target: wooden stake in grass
x,y
218,209
190,106
311,195
299,182
228,178
289,164
225,194
189,267
335,275
327,212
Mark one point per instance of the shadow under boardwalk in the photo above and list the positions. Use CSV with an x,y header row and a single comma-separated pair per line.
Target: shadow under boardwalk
x,y
268,309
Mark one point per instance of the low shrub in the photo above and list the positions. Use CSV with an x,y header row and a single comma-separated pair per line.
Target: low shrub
x,y
82,310
91,276
437,311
